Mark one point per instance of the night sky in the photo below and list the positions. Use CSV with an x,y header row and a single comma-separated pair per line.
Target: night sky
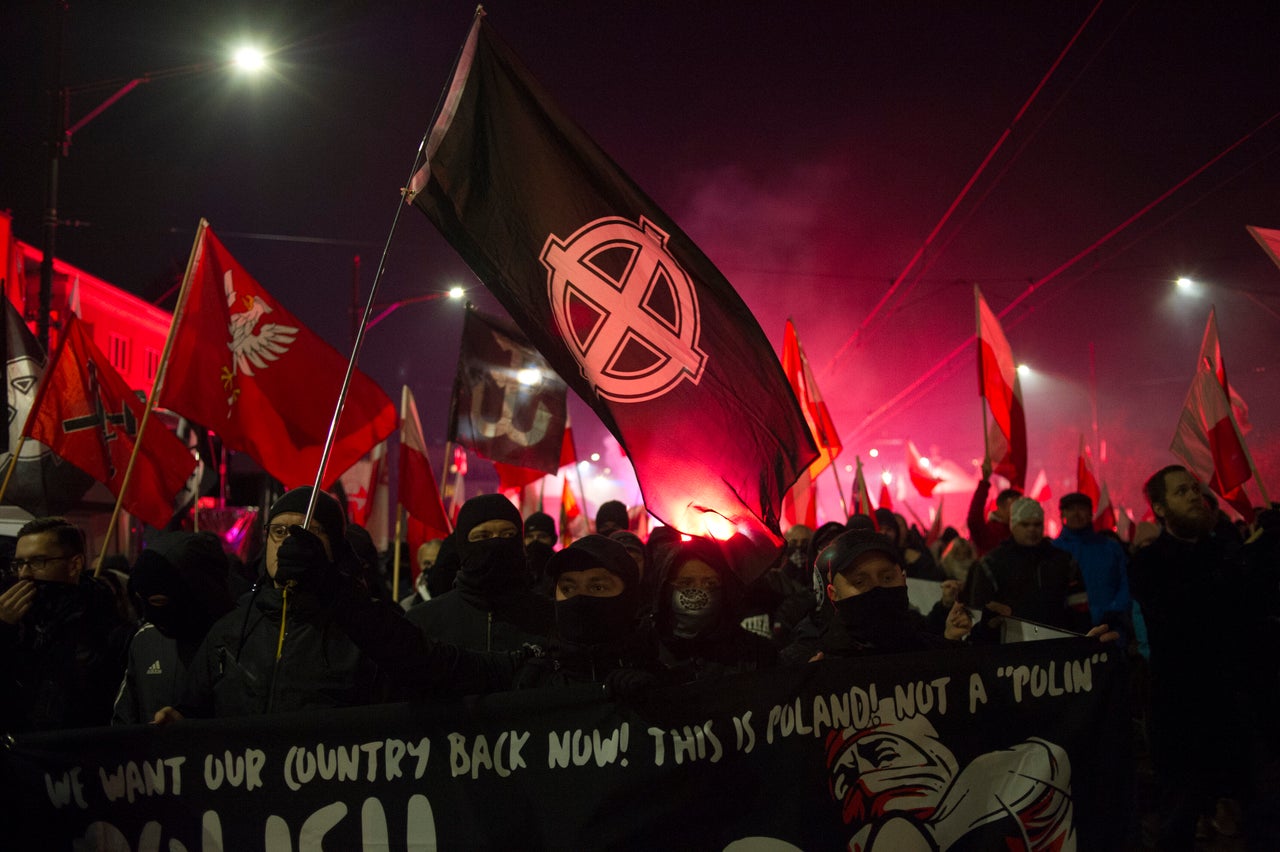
x,y
809,149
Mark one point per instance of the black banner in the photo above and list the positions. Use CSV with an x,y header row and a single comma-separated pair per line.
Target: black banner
x,y
1013,747
508,404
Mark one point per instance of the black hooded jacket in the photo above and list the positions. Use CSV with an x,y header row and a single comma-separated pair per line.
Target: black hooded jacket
x,y
192,571
725,647
60,666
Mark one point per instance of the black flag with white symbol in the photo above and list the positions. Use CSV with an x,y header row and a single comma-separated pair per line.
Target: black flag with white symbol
x,y
508,404
623,304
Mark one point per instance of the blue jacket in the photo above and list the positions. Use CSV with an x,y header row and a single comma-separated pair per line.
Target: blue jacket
x,y
1104,567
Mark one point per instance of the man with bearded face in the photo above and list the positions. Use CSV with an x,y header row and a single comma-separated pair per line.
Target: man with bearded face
x,y
698,617
62,642
1194,589
180,580
492,606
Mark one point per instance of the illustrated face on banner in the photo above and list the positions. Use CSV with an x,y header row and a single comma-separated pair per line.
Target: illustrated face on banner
x,y
23,375
899,765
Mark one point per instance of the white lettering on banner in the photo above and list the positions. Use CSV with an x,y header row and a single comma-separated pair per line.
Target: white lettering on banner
x,y
303,764
503,758
1074,676
420,833
238,770
61,791
634,329
131,779
577,748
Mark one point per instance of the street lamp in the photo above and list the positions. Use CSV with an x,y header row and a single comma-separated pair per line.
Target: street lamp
x,y
388,308
61,132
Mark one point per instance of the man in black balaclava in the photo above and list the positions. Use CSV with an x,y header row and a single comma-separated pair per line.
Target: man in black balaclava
x,y
539,544
599,638
492,606
180,581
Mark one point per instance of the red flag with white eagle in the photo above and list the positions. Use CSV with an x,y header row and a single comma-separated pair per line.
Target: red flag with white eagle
x,y
248,369
86,413
998,385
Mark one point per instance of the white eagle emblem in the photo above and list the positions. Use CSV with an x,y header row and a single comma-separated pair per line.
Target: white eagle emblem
x,y
250,349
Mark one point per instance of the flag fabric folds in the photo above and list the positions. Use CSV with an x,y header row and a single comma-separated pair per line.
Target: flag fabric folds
x,y
860,500
248,369
886,499
1269,239
998,385
573,524
43,483
87,414
508,404
922,477
419,494
624,306
1211,358
1040,490
800,505
796,367
1209,443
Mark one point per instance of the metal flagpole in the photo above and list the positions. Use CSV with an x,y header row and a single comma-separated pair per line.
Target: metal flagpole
x,y
355,350
395,559
156,387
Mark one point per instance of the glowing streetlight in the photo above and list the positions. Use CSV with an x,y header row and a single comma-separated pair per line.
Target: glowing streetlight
x,y
595,457
1024,370
925,463
60,146
1185,284
529,376
249,58
886,478
456,292
873,452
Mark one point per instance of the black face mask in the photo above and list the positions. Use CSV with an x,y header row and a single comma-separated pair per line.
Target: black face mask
x,y
538,553
588,620
694,612
880,616
494,566
179,619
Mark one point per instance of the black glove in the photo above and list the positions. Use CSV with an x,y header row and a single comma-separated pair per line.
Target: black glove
x,y
629,685
301,558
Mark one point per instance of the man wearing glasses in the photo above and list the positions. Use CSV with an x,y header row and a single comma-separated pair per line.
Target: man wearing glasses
x,y
62,643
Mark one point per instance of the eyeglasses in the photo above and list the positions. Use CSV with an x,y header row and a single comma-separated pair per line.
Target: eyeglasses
x,y
35,563
279,532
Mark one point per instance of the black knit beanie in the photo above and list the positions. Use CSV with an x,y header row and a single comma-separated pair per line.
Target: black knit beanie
x,y
328,513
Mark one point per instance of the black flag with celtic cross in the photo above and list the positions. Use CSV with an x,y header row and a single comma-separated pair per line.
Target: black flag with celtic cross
x,y
621,302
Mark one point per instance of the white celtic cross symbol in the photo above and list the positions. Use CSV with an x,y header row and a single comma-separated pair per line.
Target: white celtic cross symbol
x,y
625,308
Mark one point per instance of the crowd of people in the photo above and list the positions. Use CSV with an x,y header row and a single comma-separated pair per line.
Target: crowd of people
x,y
1194,599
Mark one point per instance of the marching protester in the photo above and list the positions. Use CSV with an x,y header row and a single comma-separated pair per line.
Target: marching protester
x,y
917,559
444,571
62,641
986,532
599,636
492,606
428,551
1103,562
181,582
698,614
867,590
612,515
1025,576
539,544
309,638
1204,599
